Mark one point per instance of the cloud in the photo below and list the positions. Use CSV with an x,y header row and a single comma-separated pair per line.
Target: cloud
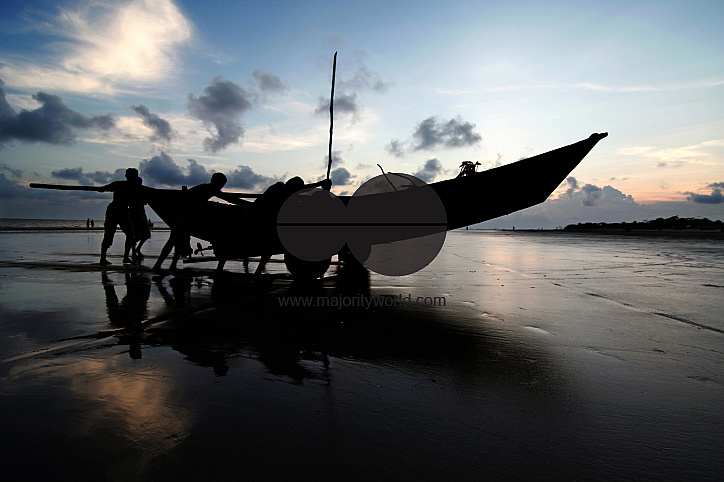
x,y
453,133
161,128
395,148
591,195
268,82
90,178
432,133
244,177
572,185
365,80
347,90
13,192
220,108
716,197
163,170
716,185
341,177
13,172
343,104
53,122
430,170
104,46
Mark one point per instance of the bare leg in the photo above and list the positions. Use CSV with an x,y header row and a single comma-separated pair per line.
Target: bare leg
x,y
104,250
165,251
137,250
174,260
128,249
262,263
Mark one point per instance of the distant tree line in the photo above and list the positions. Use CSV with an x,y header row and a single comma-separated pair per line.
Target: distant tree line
x,y
674,222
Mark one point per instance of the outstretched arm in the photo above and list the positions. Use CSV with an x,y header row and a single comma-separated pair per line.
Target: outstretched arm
x,y
326,184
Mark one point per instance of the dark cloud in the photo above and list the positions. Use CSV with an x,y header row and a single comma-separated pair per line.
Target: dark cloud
x,y
432,133
395,148
163,170
5,110
341,177
453,133
88,178
343,103
161,127
591,195
716,196
244,177
13,172
337,160
53,122
268,82
572,185
220,108
430,170
716,185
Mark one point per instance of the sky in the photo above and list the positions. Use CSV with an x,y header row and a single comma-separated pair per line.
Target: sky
x,y
182,89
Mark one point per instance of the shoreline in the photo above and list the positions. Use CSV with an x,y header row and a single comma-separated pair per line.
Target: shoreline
x,y
653,233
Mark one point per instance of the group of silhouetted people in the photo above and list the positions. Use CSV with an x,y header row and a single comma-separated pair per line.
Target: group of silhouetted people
x,y
126,210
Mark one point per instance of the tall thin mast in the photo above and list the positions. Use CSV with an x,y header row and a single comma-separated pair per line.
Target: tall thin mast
x,y
331,115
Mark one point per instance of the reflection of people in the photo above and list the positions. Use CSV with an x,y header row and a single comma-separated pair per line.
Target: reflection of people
x,y
132,309
179,240
117,214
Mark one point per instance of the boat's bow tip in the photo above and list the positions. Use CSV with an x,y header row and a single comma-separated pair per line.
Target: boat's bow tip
x,y
599,136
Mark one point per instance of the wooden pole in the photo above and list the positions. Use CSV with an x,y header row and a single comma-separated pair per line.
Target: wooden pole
x,y
64,187
331,115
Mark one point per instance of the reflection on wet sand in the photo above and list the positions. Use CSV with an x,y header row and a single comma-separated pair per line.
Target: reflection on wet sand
x,y
130,393
297,342
557,352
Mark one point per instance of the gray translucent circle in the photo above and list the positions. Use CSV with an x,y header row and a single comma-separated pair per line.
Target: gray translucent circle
x,y
396,224
310,224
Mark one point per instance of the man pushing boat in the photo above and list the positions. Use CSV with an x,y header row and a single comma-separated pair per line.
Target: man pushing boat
x,y
118,214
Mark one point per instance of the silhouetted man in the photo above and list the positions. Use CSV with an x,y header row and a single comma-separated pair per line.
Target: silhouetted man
x,y
117,214
269,205
179,240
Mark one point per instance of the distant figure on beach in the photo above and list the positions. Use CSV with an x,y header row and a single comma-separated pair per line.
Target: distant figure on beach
x,y
93,225
179,240
139,221
117,214
87,223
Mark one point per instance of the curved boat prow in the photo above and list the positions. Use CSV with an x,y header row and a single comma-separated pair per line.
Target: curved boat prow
x,y
506,189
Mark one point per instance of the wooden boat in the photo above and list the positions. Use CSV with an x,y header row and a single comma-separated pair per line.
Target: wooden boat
x,y
239,231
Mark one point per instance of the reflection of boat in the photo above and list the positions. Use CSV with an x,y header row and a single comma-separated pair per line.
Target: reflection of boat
x,y
238,231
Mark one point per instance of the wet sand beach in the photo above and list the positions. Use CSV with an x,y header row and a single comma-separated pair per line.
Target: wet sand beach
x,y
512,355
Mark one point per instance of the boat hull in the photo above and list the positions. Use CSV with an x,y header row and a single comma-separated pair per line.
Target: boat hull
x,y
236,232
